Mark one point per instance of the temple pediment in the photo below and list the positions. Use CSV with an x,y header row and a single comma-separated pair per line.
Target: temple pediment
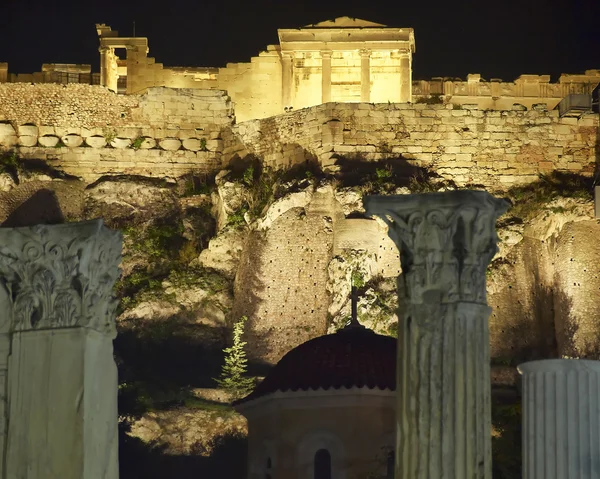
x,y
345,22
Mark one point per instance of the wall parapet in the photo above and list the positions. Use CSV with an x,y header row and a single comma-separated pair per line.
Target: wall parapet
x,y
464,144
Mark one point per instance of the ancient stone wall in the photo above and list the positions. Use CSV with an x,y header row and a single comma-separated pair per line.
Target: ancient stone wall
x,y
88,131
167,132
467,145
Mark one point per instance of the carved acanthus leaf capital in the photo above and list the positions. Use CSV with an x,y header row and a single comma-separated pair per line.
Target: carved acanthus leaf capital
x,y
58,276
446,241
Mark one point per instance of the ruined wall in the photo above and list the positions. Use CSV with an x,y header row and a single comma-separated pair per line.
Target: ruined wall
x,y
88,131
282,278
527,90
180,126
467,145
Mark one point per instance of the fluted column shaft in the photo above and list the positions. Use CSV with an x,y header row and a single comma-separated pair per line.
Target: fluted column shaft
x,y
326,76
446,241
58,392
561,419
287,78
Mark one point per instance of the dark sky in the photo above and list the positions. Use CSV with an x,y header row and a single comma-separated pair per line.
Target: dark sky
x,y
497,38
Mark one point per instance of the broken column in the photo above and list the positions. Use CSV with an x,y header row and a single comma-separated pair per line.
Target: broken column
x,y
561,419
446,241
58,378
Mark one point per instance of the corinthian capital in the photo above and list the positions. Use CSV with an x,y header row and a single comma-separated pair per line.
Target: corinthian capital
x,y
446,241
58,276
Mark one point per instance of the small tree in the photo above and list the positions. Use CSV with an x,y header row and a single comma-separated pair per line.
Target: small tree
x,y
233,373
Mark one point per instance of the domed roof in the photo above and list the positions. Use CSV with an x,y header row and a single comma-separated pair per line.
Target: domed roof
x,y
353,357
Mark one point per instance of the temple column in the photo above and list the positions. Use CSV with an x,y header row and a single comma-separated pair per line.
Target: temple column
x,y
405,78
365,76
58,393
326,76
287,78
561,419
104,65
446,241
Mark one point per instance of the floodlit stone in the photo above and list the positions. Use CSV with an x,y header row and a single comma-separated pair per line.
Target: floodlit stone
x,y
96,141
27,130
170,144
192,144
446,241
148,143
120,143
27,140
8,135
59,324
48,141
561,419
72,140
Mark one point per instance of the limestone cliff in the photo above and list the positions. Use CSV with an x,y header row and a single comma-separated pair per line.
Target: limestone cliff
x,y
284,248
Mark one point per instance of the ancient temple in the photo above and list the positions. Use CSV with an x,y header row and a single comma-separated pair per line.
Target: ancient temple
x,y
342,60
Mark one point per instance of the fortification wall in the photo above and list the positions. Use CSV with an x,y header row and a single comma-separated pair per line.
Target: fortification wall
x,y
89,131
467,145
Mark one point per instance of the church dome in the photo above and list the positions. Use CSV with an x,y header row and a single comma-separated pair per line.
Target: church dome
x,y
352,357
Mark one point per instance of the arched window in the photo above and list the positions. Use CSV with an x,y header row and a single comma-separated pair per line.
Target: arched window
x,y
390,465
322,464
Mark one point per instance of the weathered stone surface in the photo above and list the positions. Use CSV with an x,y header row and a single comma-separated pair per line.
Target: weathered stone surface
x,y
561,418
61,325
7,182
192,144
48,141
27,130
27,140
446,241
96,141
224,251
120,143
148,143
72,141
170,144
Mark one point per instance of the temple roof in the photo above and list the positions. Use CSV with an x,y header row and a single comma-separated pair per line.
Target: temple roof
x,y
345,22
352,357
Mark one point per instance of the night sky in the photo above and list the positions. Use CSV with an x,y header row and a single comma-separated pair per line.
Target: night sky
x,y
497,38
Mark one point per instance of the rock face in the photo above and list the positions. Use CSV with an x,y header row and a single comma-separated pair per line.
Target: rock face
x,y
544,290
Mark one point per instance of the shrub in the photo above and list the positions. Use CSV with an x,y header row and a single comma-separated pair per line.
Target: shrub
x,y
233,373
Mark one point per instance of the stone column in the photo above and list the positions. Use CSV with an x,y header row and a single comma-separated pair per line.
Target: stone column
x,y
365,76
58,316
287,78
561,419
446,241
405,78
326,76
104,66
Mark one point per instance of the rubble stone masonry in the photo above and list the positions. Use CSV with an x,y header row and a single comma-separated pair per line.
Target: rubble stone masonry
x,y
89,131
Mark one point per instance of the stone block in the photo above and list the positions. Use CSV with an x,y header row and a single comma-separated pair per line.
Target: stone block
x,y
170,144
96,141
72,140
120,143
27,130
148,143
28,140
48,141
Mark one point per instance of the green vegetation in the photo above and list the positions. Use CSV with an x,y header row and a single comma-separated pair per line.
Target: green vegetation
x,y
136,143
357,279
203,144
506,439
528,200
233,374
9,163
109,135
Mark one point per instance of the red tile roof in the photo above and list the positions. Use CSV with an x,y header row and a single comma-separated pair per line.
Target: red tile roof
x,y
352,357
